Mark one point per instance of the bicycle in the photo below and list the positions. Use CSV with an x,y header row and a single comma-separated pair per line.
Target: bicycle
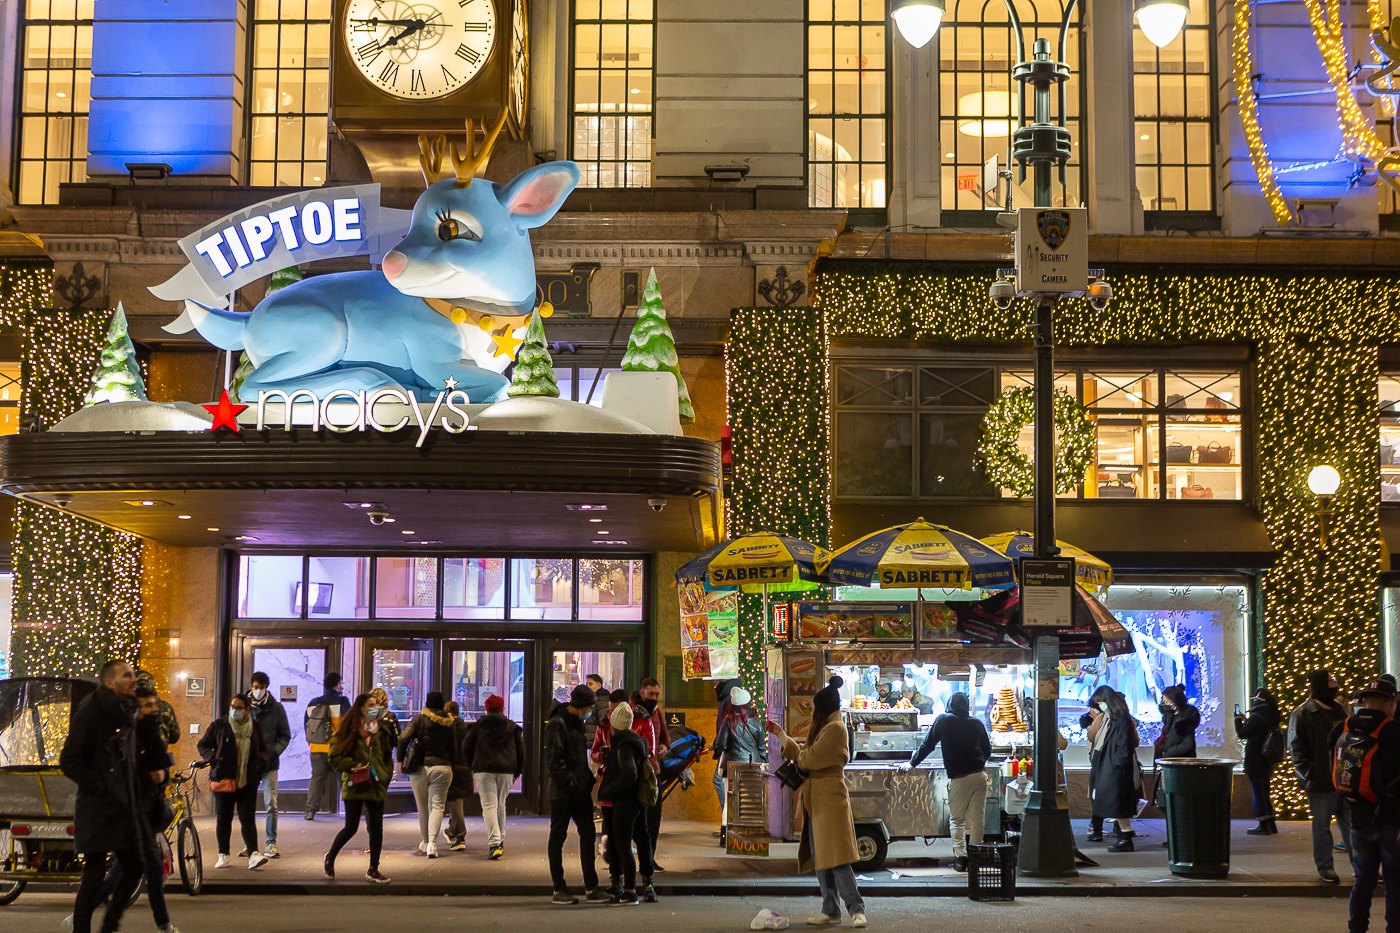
x,y
180,838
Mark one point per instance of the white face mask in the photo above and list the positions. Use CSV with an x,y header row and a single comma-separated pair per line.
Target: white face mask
x,y
371,727
1104,707
258,693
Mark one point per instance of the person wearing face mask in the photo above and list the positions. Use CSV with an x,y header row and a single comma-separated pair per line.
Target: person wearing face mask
x,y
649,721
1092,723
1118,777
363,755
1311,742
271,717
237,755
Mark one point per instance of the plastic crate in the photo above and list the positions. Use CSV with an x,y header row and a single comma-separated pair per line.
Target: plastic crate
x,y
991,872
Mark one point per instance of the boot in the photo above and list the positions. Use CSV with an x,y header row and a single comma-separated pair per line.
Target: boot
x,y
1273,828
646,894
1095,830
1124,842
1261,830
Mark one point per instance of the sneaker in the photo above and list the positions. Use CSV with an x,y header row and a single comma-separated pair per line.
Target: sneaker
x,y
222,862
66,924
243,853
656,866
328,867
310,815
422,848
597,896
1339,846
168,928
256,860
562,896
431,850
459,846
496,852
960,864
271,851
646,894
625,899
822,920
858,921
1094,837
374,877
1329,876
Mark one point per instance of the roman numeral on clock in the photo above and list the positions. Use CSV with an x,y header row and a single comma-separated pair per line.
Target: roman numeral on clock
x,y
368,50
462,3
474,27
416,82
468,54
390,74
448,76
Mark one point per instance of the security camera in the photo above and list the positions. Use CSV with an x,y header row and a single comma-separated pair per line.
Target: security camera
x,y
378,516
62,501
656,504
1100,294
1002,293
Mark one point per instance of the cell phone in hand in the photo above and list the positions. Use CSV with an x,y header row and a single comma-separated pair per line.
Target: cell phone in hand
x,y
1237,709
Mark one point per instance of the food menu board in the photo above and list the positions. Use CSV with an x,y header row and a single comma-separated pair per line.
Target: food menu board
x,y
855,621
940,623
709,633
805,676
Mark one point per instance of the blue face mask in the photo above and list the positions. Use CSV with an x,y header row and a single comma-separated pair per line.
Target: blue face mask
x,y
372,712
236,715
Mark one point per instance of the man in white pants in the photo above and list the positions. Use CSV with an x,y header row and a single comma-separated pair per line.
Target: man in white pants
x,y
966,748
495,749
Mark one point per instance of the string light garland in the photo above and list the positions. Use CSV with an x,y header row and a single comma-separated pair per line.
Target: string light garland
x,y
1243,60
1076,442
1317,365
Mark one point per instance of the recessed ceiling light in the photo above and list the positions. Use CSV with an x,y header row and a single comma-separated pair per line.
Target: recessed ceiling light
x,y
144,503
242,538
586,507
634,91
1144,136
606,541
388,520
185,516
61,94
211,529
601,532
595,519
366,505
407,532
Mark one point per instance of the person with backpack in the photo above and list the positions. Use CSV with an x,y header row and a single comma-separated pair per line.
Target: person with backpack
x,y
1264,747
494,752
1366,772
649,722
624,786
427,753
320,721
1311,741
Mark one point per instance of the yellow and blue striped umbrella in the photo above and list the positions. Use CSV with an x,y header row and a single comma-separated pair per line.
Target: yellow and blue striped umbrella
x,y
755,562
1088,569
918,554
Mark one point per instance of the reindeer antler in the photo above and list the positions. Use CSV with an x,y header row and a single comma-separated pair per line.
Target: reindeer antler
x,y
467,166
430,158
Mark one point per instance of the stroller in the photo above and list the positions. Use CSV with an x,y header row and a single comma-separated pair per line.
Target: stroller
x,y
686,748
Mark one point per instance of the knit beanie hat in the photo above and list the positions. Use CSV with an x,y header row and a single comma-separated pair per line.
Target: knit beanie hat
x,y
494,704
582,697
434,700
828,698
621,717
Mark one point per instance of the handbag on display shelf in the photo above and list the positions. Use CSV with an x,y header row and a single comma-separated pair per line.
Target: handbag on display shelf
x,y
1197,491
1178,453
1214,453
1117,490
1387,454
1176,401
1390,492
1214,402
1390,408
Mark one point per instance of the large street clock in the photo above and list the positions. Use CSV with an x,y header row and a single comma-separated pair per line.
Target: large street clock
x,y
405,67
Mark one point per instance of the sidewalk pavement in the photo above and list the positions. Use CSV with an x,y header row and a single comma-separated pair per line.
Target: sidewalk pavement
x,y
694,863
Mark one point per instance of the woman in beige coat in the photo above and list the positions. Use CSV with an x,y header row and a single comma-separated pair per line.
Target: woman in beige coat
x,y
828,842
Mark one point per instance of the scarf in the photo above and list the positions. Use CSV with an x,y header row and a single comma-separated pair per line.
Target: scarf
x,y
243,739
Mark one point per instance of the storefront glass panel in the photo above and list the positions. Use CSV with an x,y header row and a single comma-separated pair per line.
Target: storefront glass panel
x,y
610,590
405,587
405,675
477,675
542,588
571,668
339,588
5,608
304,669
269,586
1390,627
1388,396
473,587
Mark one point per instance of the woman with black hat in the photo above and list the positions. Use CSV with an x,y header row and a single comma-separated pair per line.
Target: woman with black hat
x,y
1256,728
828,843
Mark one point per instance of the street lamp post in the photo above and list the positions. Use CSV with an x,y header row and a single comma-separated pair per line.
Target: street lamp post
x,y
1047,843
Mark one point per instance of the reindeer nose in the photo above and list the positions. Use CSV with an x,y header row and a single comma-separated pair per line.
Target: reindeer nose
x,y
394,264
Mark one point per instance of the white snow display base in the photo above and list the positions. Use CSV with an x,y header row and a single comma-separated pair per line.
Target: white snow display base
x,y
650,398
137,416
541,413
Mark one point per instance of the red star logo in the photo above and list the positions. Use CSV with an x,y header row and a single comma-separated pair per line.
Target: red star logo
x,y
225,413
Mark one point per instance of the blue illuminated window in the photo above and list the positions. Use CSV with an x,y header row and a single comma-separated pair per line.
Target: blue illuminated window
x,y
287,99
55,79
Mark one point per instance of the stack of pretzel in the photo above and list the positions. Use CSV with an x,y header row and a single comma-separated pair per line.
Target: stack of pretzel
x,y
1006,714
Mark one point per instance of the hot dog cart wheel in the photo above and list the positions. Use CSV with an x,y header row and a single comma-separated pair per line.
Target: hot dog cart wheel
x,y
872,846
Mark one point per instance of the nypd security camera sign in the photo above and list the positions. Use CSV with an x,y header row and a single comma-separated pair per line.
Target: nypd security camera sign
x,y
1052,250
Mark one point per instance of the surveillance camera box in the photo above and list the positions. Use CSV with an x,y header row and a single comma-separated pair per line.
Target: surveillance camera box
x,y
1052,250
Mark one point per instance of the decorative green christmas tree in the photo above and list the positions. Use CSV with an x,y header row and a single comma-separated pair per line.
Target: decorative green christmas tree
x,y
534,367
280,279
652,349
118,375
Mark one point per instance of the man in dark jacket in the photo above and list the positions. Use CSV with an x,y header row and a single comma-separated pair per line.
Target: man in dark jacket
x,y
570,793
100,755
1311,741
271,718
169,722
599,715
319,722
649,721
495,750
966,748
1375,825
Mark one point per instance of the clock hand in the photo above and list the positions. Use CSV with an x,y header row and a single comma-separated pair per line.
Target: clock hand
x,y
415,27
376,21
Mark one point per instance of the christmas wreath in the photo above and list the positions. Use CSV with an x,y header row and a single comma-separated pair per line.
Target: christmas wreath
x,y
1001,453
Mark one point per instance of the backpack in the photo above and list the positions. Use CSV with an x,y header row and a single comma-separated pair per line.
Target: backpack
x,y
318,724
1275,747
1354,764
648,791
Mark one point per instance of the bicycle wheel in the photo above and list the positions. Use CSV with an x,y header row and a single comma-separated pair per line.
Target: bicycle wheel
x,y
191,861
167,858
13,854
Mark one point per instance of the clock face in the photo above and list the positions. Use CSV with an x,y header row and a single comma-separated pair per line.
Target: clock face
x,y
519,62
419,50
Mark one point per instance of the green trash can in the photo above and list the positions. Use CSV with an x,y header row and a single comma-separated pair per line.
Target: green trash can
x,y
1198,815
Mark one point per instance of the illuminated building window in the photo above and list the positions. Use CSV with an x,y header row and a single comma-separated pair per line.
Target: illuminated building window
x,y
611,87
1174,133
287,101
977,101
1388,396
847,100
55,81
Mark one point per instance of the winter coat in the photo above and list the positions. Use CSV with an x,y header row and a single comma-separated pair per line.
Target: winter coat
x,y
1311,745
461,786
495,745
826,805
652,728
1117,780
566,757
377,752
1264,717
152,754
1178,738
271,717
966,745
218,747
169,722
100,756
433,729
598,717
740,737
622,771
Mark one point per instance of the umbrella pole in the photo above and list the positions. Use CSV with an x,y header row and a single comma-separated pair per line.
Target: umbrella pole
x,y
765,612
919,628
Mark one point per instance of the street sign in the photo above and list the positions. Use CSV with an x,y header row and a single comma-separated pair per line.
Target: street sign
x,y
1047,591
1052,250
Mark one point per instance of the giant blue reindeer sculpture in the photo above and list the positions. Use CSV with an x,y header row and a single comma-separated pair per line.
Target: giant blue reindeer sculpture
x,y
432,311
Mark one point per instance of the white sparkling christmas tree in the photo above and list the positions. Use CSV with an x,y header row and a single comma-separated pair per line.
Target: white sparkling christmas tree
x,y
118,375
652,349
534,367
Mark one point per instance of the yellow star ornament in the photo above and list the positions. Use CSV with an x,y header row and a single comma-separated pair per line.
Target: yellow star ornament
x,y
506,342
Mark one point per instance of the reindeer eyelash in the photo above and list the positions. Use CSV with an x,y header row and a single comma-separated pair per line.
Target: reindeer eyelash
x,y
450,228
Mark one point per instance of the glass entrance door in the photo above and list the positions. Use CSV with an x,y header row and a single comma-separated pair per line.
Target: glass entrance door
x,y
295,669
402,668
475,670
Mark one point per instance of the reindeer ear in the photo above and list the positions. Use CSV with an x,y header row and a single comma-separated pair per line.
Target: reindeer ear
x,y
536,194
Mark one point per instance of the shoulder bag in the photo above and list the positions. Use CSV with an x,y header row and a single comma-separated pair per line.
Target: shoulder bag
x,y
1275,748
1197,492
790,775
413,753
